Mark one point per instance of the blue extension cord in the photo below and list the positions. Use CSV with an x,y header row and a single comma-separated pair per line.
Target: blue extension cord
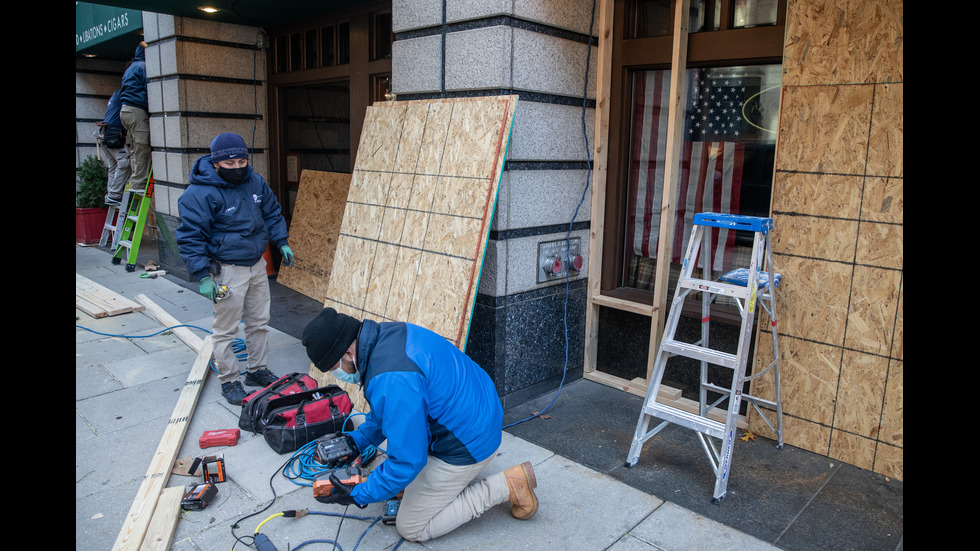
x,y
237,345
588,174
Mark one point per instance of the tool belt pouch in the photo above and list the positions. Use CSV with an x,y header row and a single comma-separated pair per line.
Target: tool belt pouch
x,y
112,137
296,420
256,405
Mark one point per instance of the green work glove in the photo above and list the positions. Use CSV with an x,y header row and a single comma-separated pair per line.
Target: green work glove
x,y
287,256
207,287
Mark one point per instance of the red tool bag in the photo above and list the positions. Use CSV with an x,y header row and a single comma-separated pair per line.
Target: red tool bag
x,y
295,420
256,405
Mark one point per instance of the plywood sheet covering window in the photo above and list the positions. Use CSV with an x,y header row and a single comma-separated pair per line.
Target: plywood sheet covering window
x,y
838,212
418,212
314,230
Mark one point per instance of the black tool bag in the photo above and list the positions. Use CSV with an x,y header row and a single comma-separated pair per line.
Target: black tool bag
x,y
256,405
295,420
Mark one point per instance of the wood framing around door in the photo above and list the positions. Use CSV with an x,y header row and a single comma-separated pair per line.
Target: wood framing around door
x,y
658,310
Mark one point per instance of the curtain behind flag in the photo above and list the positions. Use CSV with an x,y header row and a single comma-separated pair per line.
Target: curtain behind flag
x,y
710,175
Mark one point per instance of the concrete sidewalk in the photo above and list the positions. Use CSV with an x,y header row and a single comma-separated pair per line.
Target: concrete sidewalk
x,y
127,385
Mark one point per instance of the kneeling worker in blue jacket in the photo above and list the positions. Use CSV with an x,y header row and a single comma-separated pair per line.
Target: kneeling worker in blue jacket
x,y
438,410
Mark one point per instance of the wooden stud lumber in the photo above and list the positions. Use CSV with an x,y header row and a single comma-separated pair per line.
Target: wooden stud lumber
x,y
98,301
668,209
600,163
166,320
137,521
160,533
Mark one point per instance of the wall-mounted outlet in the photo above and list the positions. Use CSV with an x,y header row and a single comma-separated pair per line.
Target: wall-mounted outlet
x,y
556,259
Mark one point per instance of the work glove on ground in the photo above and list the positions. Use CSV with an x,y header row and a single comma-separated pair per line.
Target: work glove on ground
x,y
208,288
287,256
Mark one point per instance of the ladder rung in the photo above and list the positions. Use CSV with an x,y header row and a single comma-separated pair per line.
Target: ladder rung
x,y
701,353
124,243
685,419
716,287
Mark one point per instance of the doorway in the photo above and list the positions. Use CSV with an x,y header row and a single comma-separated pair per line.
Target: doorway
x,y
316,132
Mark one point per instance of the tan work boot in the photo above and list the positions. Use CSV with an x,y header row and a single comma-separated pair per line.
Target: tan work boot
x,y
521,481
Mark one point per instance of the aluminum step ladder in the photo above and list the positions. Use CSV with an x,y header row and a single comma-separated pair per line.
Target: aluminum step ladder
x,y
114,222
127,239
746,287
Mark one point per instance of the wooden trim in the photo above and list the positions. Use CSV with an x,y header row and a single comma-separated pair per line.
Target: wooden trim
x,y
668,208
600,164
666,395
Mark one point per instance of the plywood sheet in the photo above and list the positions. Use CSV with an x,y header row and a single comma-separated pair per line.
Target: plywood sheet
x,y
314,230
418,213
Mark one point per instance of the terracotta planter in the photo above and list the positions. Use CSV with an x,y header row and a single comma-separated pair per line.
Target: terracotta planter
x,y
89,223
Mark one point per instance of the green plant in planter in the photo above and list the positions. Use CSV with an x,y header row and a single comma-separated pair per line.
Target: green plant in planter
x,y
93,176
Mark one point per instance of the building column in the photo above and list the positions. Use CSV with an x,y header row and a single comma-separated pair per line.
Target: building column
x,y
538,51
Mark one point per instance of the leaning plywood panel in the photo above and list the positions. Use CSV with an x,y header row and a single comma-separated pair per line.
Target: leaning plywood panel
x,y
417,218
314,230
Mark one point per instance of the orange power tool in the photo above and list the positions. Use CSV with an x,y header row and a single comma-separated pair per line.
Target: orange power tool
x,y
322,487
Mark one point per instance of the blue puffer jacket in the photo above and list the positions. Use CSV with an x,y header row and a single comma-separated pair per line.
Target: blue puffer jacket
x,y
133,90
229,223
427,398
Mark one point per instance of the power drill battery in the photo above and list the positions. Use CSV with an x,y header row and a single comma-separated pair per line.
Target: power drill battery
x,y
199,497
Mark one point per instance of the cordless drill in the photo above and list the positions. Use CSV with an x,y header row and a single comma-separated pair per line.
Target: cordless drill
x,y
322,487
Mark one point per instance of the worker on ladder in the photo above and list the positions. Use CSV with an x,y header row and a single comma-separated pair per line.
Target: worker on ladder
x,y
229,215
135,117
112,138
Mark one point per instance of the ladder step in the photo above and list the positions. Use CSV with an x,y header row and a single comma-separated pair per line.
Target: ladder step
x,y
716,287
701,353
685,419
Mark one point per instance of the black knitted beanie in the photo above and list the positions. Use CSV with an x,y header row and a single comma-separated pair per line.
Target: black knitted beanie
x,y
327,337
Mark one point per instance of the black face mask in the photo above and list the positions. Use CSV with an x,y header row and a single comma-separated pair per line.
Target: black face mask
x,y
233,175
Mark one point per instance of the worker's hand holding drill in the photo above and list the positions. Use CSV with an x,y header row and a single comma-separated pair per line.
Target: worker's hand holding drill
x,y
340,493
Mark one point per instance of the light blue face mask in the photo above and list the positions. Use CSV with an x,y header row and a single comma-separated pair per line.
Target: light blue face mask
x,y
350,378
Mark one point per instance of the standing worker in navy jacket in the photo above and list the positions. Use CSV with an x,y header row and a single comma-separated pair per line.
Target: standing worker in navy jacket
x,y
135,117
228,217
438,410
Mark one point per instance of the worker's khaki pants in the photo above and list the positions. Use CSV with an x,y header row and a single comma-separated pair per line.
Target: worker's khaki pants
x,y
137,124
249,303
443,497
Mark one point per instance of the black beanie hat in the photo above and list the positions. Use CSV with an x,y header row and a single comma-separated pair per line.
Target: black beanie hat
x,y
327,337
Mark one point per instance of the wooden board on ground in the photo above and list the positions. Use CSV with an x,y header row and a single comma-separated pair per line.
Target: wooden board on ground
x,y
137,521
98,301
418,213
313,231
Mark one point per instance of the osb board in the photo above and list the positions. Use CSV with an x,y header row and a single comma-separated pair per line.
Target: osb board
x,y
418,213
836,41
887,140
314,230
824,129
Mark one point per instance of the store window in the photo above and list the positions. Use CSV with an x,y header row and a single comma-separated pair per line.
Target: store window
x,y
726,162
733,79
